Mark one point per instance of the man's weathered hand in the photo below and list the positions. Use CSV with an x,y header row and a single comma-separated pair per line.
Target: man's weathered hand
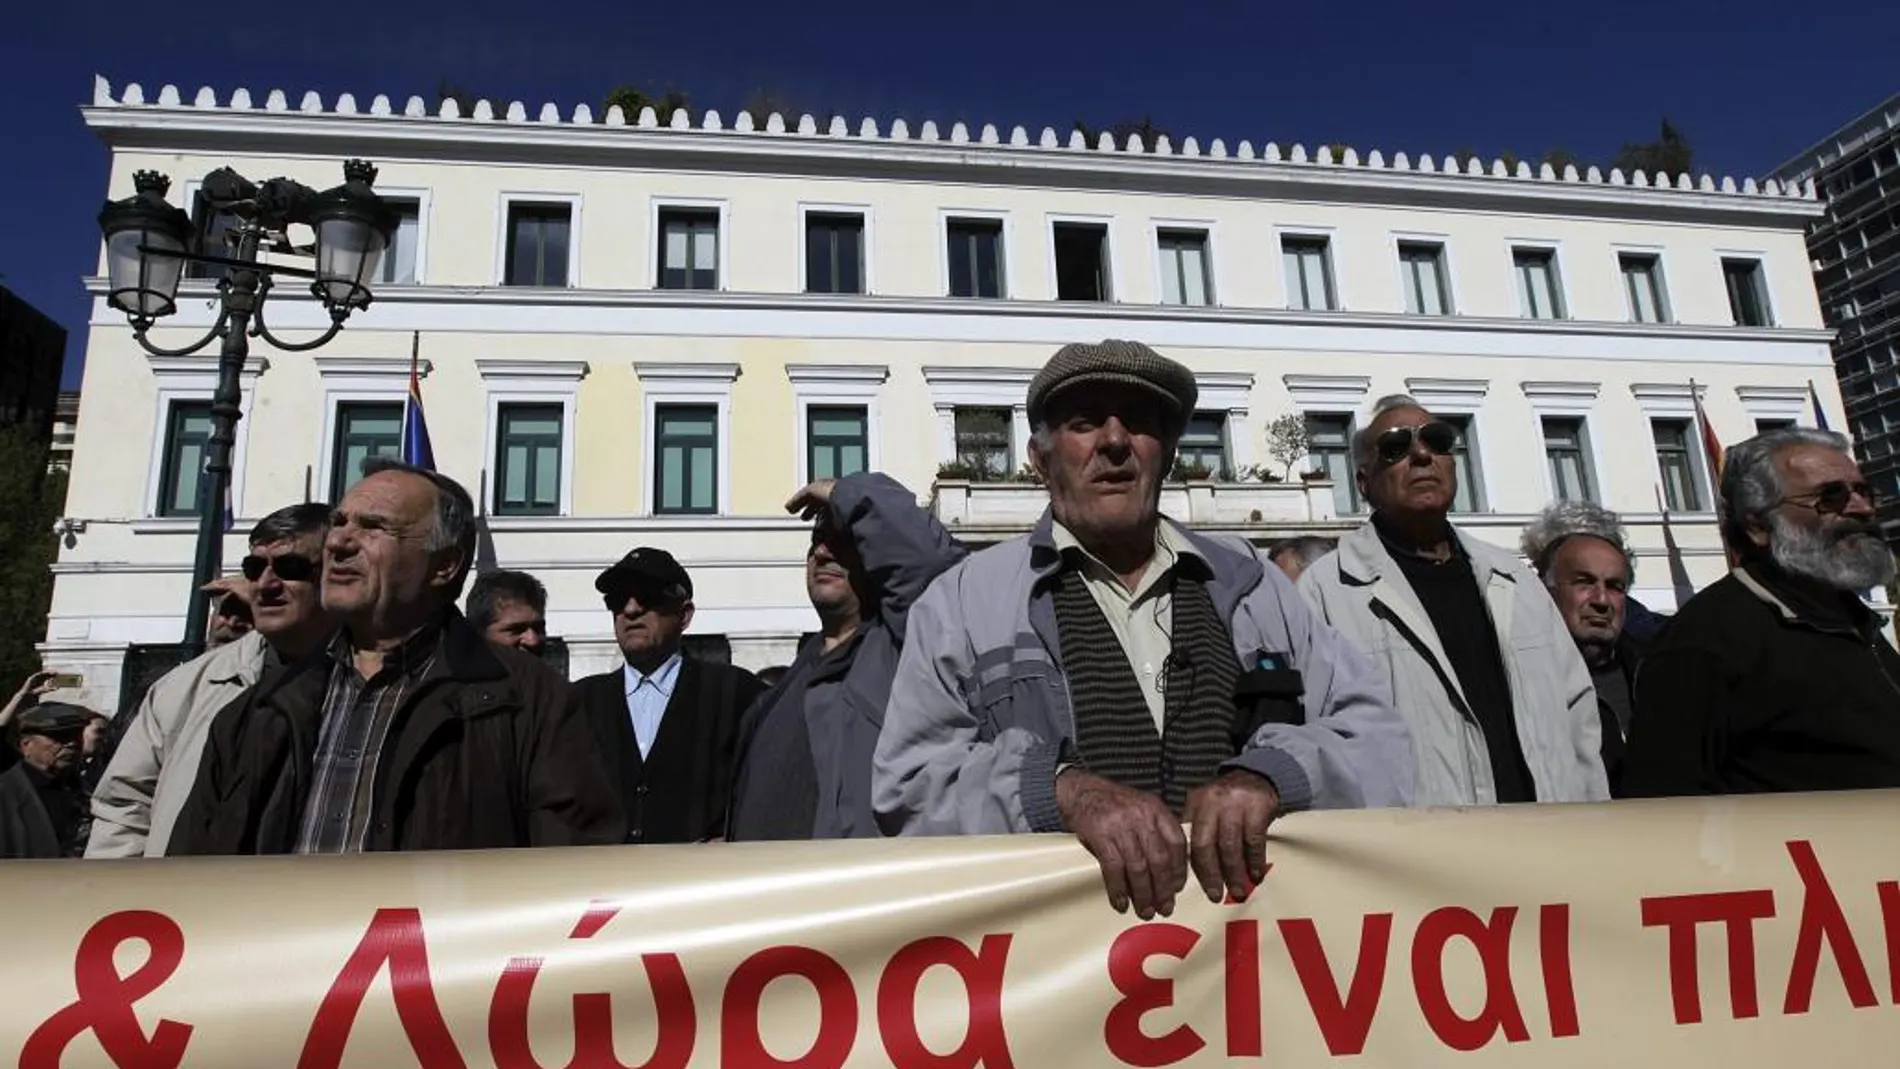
x,y
227,586
1135,838
1230,817
813,501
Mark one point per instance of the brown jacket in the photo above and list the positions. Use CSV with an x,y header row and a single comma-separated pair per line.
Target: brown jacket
x,y
489,750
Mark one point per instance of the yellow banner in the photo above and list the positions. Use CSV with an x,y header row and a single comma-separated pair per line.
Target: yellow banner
x,y
1726,933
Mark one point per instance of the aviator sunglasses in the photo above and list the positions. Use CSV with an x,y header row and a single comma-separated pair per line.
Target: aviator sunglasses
x,y
289,567
1395,444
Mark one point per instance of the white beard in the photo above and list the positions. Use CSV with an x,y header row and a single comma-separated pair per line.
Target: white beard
x,y
1850,558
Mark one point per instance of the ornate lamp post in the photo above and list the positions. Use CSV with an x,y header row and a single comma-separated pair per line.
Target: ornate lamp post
x,y
148,243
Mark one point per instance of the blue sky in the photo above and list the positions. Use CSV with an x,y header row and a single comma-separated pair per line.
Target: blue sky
x,y
1750,81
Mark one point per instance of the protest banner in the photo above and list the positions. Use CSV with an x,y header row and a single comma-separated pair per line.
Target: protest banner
x,y
1722,932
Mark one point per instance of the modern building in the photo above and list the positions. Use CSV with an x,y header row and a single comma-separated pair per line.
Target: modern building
x,y
1855,245
32,358
645,335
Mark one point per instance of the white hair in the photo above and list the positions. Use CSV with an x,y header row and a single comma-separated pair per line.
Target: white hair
x,y
1563,520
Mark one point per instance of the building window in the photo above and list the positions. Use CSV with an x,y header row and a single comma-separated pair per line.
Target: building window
x,y
976,257
538,237
211,225
686,459
1747,298
689,249
837,440
1184,271
398,267
528,460
1081,261
1204,445
187,437
1642,285
364,429
1470,495
834,253
1537,292
1673,438
1309,273
982,438
1329,443
1569,466
1763,426
1423,269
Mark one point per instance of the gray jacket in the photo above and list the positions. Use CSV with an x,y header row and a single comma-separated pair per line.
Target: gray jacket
x,y
901,548
153,770
980,713
1360,590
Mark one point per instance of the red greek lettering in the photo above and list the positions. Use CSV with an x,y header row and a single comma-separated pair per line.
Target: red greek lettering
x,y
394,938
1492,941
1738,910
1343,1022
1553,953
1141,994
984,1042
674,1013
1889,891
1243,990
105,998
740,1039
1822,921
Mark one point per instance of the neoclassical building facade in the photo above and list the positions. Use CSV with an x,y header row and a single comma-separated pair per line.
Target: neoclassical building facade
x,y
643,334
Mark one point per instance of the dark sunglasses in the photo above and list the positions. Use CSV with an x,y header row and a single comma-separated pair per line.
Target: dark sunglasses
x,y
1396,444
1833,496
290,567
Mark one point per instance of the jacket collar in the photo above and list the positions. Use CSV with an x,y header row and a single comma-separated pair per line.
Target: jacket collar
x,y
1773,587
1229,572
242,662
464,656
1364,559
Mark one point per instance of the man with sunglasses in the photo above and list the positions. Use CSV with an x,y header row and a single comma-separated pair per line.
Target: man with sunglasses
x,y
805,748
151,773
665,724
1477,656
1777,677
1114,675
42,799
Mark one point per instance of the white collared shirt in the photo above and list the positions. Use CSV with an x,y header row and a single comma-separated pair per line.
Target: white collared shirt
x,y
647,697
1142,618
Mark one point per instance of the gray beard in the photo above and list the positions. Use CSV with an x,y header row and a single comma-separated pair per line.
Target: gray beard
x,y
1851,559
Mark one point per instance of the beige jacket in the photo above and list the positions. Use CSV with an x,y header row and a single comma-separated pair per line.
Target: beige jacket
x,y
1360,590
152,772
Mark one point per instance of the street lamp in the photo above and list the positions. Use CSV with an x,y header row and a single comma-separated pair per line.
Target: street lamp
x,y
148,243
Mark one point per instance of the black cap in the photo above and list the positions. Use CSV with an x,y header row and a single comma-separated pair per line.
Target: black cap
x,y
54,718
648,571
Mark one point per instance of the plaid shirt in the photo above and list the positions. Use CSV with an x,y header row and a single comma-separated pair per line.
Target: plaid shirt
x,y
357,713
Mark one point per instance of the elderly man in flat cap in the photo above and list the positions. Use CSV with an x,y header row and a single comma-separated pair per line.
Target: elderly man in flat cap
x,y
667,725
43,808
1113,675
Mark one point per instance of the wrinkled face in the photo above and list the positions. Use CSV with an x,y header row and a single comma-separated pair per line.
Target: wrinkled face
x,y
518,625
1589,579
377,564
93,737
281,604
1417,482
828,567
49,754
649,630
1824,525
230,620
1108,448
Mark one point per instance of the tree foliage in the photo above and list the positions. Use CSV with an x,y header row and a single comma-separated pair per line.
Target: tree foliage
x,y
631,100
30,501
1145,131
1669,154
1288,441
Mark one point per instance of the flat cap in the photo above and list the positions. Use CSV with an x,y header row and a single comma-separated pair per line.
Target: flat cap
x,y
1127,363
54,718
645,570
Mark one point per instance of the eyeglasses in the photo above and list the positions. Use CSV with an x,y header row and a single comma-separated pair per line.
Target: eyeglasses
x,y
290,567
1832,497
1396,444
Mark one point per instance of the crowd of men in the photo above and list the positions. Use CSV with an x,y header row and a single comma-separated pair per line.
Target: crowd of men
x,y
1112,674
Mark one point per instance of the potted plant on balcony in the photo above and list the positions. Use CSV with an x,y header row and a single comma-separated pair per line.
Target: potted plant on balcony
x,y
1188,471
1288,442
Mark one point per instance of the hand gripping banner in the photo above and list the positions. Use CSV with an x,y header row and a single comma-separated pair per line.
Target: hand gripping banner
x,y
1724,933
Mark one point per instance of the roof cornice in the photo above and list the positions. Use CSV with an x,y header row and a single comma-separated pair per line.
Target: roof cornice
x,y
987,157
